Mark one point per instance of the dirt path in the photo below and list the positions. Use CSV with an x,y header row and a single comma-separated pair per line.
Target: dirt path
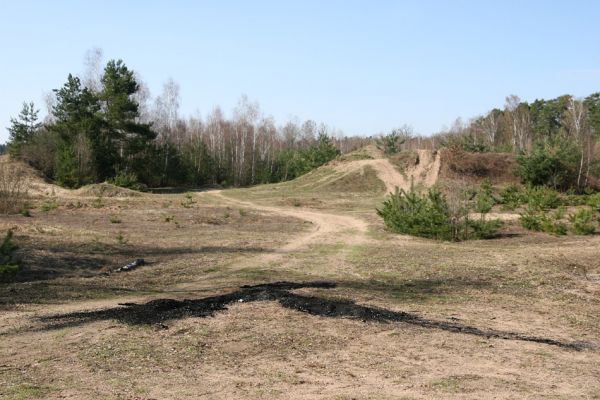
x,y
357,318
345,229
425,172
327,227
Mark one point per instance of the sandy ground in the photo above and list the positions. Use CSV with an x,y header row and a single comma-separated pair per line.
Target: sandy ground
x,y
425,172
536,287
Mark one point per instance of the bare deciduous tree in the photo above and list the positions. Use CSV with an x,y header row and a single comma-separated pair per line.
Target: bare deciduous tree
x,y
576,123
93,64
517,115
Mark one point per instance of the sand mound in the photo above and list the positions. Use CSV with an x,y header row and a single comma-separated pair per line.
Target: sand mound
x,y
106,190
37,185
35,182
422,169
359,180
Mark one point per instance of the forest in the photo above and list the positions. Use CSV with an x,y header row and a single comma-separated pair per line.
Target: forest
x,y
107,128
556,140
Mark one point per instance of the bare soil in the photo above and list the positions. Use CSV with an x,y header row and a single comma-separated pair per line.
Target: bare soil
x,y
291,290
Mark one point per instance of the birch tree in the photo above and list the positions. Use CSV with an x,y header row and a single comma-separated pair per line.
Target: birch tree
x,y
577,126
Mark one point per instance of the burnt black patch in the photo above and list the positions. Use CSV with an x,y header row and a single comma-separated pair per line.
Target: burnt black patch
x,y
163,310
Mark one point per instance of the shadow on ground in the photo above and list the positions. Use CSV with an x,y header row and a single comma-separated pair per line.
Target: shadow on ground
x,y
163,310
55,261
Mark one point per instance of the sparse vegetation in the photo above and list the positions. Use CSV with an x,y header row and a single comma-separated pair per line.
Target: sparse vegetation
x,y
539,221
8,266
511,197
188,201
583,222
121,239
49,205
25,210
97,203
180,250
393,142
542,198
484,200
593,201
13,189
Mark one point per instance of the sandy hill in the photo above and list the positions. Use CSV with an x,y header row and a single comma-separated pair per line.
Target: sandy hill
x,y
368,169
38,186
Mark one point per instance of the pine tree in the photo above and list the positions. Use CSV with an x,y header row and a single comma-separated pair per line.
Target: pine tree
x,y
123,137
23,128
78,125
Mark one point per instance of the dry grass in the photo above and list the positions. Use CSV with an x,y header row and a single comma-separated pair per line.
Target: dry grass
x,y
13,188
498,167
532,284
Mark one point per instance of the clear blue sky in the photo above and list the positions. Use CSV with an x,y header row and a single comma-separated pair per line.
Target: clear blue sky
x,y
360,66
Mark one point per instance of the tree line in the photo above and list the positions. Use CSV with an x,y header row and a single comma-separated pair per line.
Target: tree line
x,y
556,140
520,125
105,127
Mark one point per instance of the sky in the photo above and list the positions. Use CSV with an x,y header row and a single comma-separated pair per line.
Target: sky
x,y
363,67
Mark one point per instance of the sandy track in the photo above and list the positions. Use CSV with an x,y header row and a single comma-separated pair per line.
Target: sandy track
x,y
326,226
425,172
330,227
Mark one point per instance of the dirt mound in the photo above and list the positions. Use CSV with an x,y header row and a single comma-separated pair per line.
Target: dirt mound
x,y
359,180
34,180
367,168
473,167
106,190
369,171
420,168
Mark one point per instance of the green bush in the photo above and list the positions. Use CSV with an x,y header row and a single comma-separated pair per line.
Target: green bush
x,y
559,213
583,222
483,229
127,180
537,220
550,163
484,200
575,199
593,201
532,220
511,197
417,215
7,246
553,227
428,215
542,198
